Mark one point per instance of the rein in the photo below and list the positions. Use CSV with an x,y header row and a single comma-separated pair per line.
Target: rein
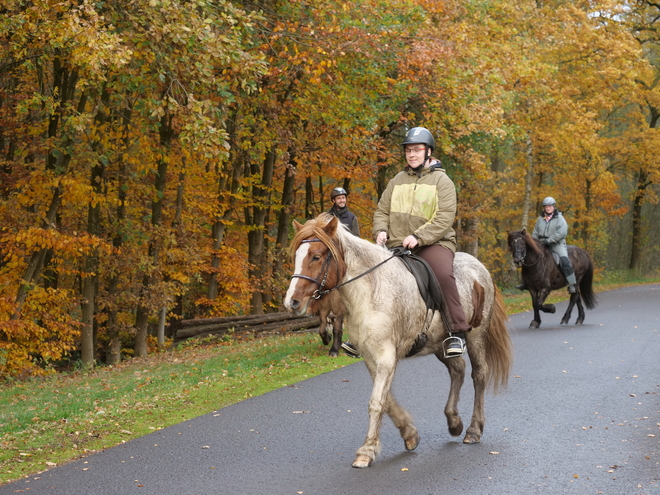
x,y
319,293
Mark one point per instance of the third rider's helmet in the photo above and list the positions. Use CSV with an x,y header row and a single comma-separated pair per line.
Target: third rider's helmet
x,y
419,135
549,201
338,191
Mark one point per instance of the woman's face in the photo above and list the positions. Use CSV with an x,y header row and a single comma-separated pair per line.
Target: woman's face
x,y
415,154
549,209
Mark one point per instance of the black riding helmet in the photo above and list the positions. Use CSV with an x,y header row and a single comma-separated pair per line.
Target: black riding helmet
x,y
338,191
419,135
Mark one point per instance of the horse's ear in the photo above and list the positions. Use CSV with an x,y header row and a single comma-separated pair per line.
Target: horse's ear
x,y
331,227
523,231
297,226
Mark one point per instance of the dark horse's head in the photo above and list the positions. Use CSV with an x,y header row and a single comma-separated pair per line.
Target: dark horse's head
x,y
519,242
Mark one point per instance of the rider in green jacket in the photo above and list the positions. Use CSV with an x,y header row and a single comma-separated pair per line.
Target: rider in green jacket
x,y
551,229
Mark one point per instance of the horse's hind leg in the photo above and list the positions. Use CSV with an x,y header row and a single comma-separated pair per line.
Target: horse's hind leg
x,y
477,355
456,368
403,421
580,318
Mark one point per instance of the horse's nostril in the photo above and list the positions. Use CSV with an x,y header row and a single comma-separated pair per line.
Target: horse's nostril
x,y
295,304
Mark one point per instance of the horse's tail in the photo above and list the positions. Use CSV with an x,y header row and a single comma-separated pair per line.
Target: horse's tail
x,y
499,349
586,287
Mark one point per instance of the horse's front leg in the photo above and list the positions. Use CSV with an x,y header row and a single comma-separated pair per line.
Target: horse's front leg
x,y
546,308
456,368
323,326
536,305
569,310
337,327
382,371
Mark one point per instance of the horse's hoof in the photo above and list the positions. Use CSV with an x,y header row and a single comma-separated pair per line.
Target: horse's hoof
x,y
534,324
579,321
551,309
412,443
362,461
333,354
457,429
471,438
563,321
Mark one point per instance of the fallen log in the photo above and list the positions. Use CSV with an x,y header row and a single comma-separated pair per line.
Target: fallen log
x,y
247,326
255,319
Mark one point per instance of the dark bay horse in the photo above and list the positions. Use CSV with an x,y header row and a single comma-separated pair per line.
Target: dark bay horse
x,y
385,315
541,275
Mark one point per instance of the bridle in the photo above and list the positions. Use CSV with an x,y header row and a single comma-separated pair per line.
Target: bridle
x,y
319,292
521,253
325,269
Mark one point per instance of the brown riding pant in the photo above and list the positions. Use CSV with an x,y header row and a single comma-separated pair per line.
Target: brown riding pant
x,y
441,261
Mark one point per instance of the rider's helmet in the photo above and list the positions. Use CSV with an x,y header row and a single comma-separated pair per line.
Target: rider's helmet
x,y
419,135
338,191
549,201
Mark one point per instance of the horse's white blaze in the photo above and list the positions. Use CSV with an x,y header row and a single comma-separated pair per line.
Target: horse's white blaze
x,y
301,254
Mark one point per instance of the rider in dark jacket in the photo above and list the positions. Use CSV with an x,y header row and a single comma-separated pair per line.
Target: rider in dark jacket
x,y
339,209
551,229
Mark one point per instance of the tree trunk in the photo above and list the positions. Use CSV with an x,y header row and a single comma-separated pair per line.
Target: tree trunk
x,y
256,255
113,349
284,220
309,195
166,131
91,280
529,178
638,202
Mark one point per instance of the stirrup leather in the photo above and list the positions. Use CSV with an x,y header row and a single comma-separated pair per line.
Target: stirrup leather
x,y
453,339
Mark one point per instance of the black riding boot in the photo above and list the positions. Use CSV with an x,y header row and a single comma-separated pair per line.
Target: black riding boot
x,y
567,269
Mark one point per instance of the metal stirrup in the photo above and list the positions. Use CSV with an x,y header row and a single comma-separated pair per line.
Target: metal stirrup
x,y
449,340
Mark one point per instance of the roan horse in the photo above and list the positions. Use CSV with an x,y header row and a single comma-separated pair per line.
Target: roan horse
x,y
541,275
385,313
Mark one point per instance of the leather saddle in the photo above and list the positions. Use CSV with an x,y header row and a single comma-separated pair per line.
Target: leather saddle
x,y
428,286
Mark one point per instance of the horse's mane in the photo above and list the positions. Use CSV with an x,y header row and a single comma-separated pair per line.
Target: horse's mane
x,y
529,240
315,228
342,243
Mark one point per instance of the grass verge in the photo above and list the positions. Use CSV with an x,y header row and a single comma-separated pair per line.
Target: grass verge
x,y
51,421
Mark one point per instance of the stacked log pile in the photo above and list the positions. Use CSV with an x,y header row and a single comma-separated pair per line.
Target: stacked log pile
x,y
283,322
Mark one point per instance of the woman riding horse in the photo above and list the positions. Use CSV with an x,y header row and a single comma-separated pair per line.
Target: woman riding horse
x,y
551,230
417,211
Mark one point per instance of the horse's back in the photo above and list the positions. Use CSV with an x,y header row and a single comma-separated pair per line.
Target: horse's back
x,y
468,269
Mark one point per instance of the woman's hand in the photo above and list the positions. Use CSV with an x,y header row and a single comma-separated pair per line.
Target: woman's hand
x,y
381,238
410,242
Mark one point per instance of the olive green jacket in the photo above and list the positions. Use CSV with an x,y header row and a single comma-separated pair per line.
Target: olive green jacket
x,y
424,206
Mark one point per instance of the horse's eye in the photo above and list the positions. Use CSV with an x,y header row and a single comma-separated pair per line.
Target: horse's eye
x,y
316,257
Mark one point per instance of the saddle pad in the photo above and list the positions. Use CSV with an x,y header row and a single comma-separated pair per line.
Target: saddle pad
x,y
428,285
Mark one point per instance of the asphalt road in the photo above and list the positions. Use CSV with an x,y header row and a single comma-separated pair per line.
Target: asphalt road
x,y
581,416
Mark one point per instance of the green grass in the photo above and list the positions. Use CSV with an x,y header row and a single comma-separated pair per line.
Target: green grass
x,y
53,420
